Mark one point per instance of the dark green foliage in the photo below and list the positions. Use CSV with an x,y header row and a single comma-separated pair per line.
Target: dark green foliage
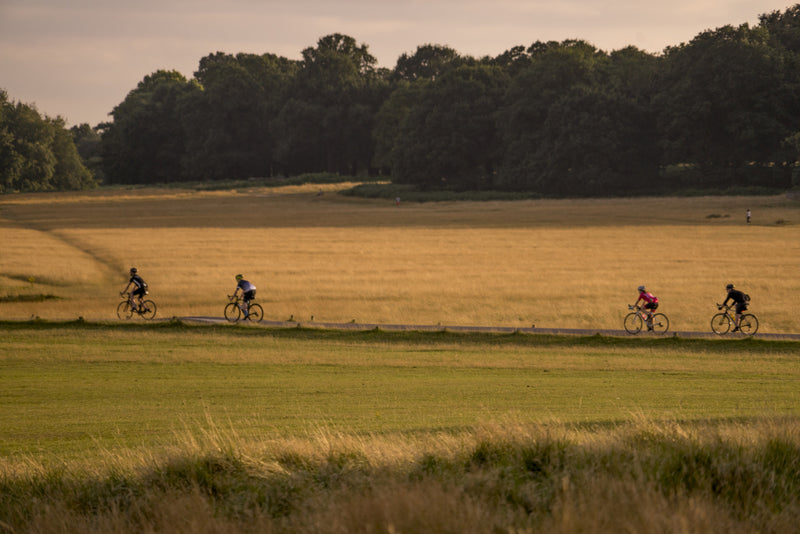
x,y
227,123
88,143
145,143
37,153
449,138
550,119
326,123
727,102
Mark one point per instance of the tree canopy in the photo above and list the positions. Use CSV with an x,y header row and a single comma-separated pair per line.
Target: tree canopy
x,y
37,153
553,118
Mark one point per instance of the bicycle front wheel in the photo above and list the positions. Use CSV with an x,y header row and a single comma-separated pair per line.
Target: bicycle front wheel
x,y
148,309
748,324
660,323
720,323
633,323
255,313
124,310
232,312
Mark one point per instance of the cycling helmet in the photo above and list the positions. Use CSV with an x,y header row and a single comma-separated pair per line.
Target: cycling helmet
x,y
133,270
239,277
641,288
729,286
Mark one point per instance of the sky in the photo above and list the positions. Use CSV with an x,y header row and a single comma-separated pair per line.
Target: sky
x,y
79,58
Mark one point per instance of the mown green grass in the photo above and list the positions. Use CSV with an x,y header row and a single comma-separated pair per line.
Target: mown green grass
x,y
167,427
67,389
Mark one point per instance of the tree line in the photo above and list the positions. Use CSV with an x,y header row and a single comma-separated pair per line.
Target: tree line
x,y
38,153
555,118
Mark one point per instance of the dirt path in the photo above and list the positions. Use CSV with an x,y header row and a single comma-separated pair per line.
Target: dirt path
x,y
486,329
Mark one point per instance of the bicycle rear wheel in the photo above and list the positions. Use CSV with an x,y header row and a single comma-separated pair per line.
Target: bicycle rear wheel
x,y
720,323
232,312
148,309
633,323
748,324
255,313
124,311
660,323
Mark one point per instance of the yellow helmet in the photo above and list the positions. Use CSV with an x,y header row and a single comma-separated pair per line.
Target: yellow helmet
x,y
239,277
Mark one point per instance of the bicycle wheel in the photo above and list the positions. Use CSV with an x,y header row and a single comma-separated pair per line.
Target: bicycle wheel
x,y
232,312
256,313
149,309
660,323
633,323
748,324
124,311
720,323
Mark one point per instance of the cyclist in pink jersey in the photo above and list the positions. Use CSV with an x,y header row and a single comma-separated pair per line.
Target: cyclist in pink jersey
x,y
650,304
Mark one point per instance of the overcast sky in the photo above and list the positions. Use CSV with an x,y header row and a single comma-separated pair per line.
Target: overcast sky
x,y
79,58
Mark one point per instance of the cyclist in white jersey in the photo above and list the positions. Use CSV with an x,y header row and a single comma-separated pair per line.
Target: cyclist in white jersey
x,y
248,292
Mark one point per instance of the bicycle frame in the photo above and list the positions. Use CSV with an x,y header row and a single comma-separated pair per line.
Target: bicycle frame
x,y
722,321
253,313
657,322
129,306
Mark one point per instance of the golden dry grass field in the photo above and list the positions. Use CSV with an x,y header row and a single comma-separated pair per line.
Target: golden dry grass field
x,y
552,263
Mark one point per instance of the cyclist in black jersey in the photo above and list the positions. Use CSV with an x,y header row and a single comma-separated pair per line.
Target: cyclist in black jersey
x,y
740,299
139,288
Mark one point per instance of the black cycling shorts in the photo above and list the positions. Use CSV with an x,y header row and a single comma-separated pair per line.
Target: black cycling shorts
x,y
249,295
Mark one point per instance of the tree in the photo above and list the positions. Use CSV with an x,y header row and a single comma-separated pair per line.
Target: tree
x,y
389,119
327,123
783,28
37,153
555,69
227,123
725,104
145,141
88,143
449,138
596,142
69,171
427,63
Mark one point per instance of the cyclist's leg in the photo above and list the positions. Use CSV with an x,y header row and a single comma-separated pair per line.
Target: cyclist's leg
x,y
248,296
140,299
738,317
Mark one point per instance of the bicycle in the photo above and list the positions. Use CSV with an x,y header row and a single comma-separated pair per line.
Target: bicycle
x,y
234,310
128,307
637,319
721,322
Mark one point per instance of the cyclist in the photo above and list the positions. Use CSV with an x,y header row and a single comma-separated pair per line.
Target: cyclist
x,y
248,292
139,291
650,304
738,298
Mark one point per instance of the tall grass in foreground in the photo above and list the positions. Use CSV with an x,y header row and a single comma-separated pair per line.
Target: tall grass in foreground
x,y
642,476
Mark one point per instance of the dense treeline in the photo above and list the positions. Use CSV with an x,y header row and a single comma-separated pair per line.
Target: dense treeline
x,y
555,118
38,153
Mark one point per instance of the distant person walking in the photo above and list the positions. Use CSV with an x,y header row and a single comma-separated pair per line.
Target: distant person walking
x,y
748,215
